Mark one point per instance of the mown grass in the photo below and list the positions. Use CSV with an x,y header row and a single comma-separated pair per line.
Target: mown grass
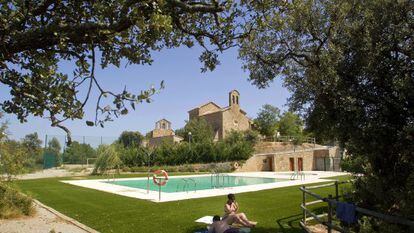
x,y
276,210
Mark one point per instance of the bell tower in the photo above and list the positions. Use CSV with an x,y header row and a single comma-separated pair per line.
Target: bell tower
x,y
234,96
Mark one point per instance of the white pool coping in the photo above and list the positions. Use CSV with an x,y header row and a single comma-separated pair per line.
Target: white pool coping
x,y
99,184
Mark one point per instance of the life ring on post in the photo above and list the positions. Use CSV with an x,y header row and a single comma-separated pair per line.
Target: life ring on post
x,y
157,180
236,165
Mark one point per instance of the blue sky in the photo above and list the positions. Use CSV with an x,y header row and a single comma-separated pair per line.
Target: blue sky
x,y
186,88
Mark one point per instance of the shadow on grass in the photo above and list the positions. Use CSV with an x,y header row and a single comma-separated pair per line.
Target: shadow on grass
x,y
289,224
254,230
283,225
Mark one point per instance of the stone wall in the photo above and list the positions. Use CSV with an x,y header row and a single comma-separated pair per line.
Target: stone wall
x,y
255,163
215,121
193,114
281,162
273,147
233,119
208,108
162,132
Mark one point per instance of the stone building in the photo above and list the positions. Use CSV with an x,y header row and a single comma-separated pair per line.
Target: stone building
x,y
163,133
277,156
223,120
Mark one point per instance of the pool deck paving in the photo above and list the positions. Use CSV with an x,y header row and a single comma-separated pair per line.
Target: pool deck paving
x,y
154,196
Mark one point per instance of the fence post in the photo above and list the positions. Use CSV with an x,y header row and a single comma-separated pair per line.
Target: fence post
x,y
304,204
336,191
329,214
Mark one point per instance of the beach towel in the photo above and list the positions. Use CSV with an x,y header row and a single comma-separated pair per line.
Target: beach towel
x,y
346,212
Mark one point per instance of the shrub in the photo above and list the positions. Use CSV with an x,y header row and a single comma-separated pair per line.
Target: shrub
x,y
13,159
108,158
13,203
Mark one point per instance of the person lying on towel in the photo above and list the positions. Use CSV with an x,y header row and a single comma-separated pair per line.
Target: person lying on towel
x,y
221,226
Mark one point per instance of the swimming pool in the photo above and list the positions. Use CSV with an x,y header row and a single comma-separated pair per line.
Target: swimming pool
x,y
187,184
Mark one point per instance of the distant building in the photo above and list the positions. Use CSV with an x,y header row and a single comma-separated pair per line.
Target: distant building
x,y
163,134
223,120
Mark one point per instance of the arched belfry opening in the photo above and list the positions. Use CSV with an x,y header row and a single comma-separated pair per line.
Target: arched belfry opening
x,y
234,96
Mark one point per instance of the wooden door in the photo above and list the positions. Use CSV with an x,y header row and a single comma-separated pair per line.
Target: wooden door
x,y
292,164
300,164
270,163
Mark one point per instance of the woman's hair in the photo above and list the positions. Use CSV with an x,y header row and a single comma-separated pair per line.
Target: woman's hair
x,y
216,218
231,196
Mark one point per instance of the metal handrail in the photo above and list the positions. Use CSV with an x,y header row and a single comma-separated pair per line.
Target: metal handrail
x,y
195,184
333,201
298,174
185,185
215,180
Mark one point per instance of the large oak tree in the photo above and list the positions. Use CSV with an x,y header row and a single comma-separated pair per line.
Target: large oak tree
x,y
350,67
36,36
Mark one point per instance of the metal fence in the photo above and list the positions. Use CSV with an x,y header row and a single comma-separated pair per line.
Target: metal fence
x,y
93,141
289,139
331,201
86,149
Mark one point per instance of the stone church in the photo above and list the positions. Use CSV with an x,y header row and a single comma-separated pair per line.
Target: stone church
x,y
223,120
163,133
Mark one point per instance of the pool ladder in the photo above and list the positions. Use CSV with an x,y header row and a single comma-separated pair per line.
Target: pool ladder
x,y
186,185
217,177
297,175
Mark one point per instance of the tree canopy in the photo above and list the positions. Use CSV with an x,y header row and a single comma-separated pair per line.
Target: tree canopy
x,y
37,36
200,131
350,67
266,120
33,145
78,153
130,138
290,124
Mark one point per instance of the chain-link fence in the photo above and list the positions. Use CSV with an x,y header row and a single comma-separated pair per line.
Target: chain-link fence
x,y
82,150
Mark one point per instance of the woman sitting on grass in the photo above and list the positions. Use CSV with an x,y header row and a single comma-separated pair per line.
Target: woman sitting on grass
x,y
230,213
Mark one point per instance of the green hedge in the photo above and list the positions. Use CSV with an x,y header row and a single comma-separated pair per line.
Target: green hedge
x,y
238,146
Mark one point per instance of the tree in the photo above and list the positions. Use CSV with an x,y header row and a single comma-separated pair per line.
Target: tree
x,y
12,155
3,129
130,138
266,120
33,145
290,124
12,159
54,147
200,130
349,65
108,159
78,153
39,35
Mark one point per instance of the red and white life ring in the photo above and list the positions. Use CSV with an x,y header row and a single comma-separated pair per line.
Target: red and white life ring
x,y
236,165
157,180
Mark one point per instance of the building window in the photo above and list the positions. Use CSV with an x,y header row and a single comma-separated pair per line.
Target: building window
x,y
237,100
234,101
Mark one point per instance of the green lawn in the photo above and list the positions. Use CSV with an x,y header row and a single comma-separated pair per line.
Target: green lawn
x,y
276,210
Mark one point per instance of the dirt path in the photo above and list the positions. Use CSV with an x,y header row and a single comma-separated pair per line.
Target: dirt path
x,y
45,220
53,172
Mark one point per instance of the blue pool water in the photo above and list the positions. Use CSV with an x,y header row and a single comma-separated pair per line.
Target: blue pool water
x,y
182,184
